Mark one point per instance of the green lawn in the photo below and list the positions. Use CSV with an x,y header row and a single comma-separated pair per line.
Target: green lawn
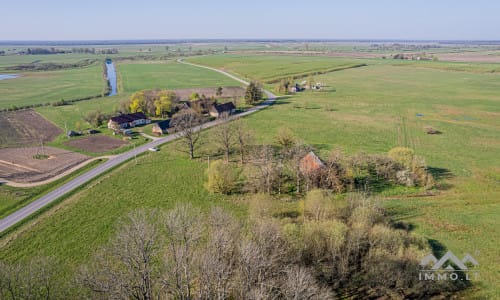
x,y
268,68
51,86
371,109
135,76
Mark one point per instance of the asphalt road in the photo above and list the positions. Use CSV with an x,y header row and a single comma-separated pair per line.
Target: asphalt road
x,y
34,206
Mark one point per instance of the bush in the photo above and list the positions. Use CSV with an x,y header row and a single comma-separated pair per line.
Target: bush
x,y
403,156
223,178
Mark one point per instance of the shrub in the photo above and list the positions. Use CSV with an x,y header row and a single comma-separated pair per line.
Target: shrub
x,y
223,178
403,156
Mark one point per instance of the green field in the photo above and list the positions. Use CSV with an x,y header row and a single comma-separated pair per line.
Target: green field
x,y
51,86
267,68
370,109
134,77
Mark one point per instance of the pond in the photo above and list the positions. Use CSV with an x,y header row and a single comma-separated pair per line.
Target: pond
x,y
8,76
111,74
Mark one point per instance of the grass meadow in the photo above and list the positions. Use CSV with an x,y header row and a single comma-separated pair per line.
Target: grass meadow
x,y
50,86
370,109
268,68
134,76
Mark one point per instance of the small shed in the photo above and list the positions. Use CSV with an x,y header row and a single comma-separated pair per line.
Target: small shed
x,y
222,110
161,127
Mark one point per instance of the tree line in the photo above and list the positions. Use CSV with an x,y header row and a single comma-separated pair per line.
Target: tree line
x,y
338,248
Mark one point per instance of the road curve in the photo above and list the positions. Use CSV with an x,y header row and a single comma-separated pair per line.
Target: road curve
x,y
43,201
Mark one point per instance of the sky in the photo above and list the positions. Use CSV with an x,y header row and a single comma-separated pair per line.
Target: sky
x,y
250,19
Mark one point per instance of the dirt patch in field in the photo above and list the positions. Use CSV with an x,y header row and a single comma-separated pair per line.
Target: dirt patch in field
x,y
20,164
25,128
96,143
227,92
488,57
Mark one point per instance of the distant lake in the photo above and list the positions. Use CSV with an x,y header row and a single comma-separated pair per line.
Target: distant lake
x,y
8,76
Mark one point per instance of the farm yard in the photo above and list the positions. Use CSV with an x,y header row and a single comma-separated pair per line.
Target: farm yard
x,y
36,163
24,128
96,144
371,109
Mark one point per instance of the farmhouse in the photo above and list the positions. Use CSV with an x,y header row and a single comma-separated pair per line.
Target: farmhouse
x,y
310,163
161,127
128,120
222,110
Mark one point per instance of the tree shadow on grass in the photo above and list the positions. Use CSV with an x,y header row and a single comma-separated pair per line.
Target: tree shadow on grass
x,y
440,175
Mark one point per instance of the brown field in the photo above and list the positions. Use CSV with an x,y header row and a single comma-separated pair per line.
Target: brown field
x,y
227,92
19,164
25,128
96,143
483,56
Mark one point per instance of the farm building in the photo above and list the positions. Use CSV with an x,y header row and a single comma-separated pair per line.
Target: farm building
x,y
310,163
161,127
222,110
128,120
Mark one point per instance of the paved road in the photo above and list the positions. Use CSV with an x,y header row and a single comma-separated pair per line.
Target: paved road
x,y
31,208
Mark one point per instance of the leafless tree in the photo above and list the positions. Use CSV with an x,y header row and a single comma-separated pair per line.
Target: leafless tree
x,y
128,267
261,258
184,235
219,256
243,137
224,137
31,280
185,123
264,161
299,283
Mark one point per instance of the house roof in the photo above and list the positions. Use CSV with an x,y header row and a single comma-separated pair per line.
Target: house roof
x,y
126,118
310,163
228,106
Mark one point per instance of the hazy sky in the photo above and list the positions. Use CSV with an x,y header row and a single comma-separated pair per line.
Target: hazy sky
x,y
166,19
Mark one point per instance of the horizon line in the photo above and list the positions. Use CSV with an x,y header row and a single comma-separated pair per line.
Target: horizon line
x,y
195,40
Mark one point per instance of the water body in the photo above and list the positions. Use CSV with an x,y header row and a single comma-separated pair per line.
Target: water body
x,y
111,74
8,76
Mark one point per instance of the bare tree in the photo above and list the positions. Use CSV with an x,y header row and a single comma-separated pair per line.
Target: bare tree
x,y
184,234
219,256
224,137
128,267
31,280
299,283
243,137
185,123
264,160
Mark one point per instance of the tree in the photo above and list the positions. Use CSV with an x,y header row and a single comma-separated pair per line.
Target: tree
x,y
222,178
218,93
138,102
219,256
253,93
128,268
285,138
185,122
243,138
164,102
185,232
194,96
95,118
225,139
